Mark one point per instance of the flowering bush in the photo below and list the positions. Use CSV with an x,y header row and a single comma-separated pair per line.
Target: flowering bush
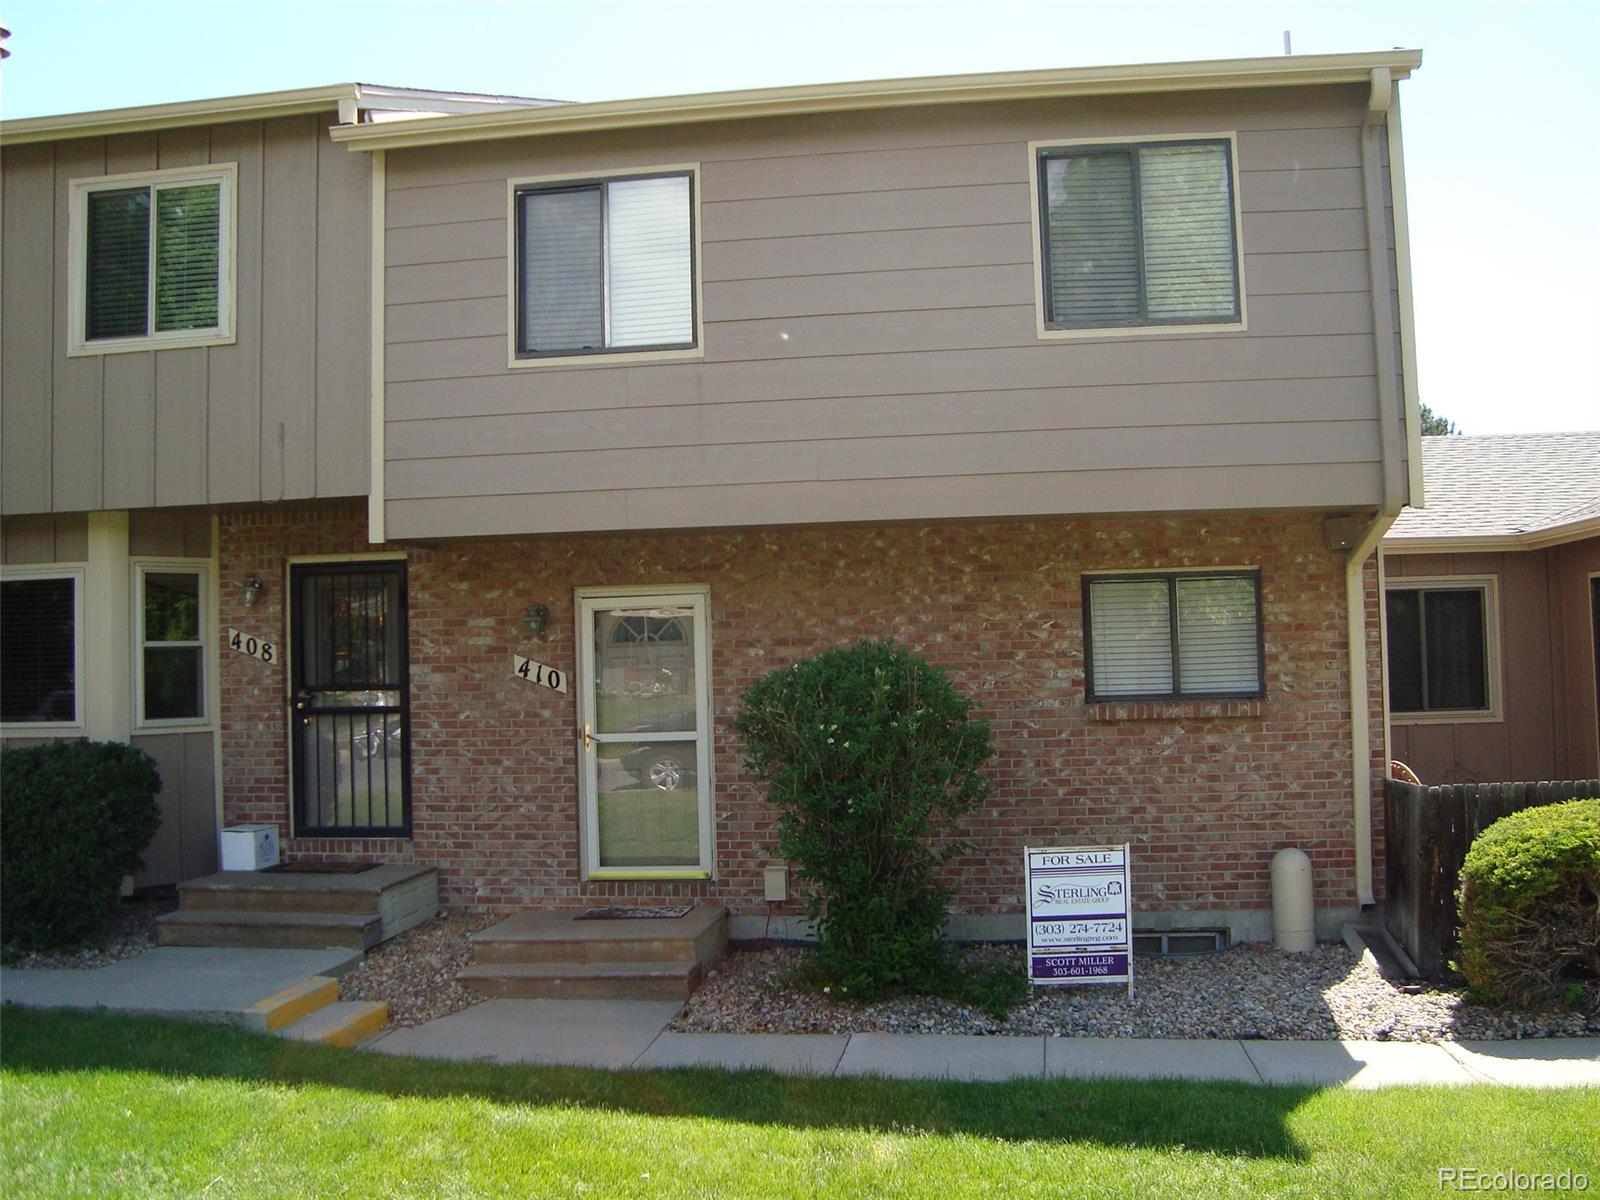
x,y
871,758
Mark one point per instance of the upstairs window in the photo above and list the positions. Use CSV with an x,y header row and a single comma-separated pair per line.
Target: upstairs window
x,y
152,260
605,266
1171,637
1138,235
1440,647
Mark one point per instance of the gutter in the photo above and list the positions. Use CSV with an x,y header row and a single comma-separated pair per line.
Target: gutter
x,y
1278,71
1490,543
1394,483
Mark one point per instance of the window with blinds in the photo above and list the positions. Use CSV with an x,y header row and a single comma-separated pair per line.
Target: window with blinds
x,y
1438,644
605,266
1173,636
39,650
152,258
1139,235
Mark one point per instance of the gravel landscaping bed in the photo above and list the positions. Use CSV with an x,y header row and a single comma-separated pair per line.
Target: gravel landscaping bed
x,y
130,932
416,972
1248,991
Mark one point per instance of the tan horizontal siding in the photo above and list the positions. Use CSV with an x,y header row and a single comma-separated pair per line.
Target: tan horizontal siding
x,y
1142,490
1054,408
870,348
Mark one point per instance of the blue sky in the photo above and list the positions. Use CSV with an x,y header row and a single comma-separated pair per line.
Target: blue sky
x,y
1502,123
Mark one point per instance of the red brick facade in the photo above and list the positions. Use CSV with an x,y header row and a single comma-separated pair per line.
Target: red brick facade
x,y
1205,791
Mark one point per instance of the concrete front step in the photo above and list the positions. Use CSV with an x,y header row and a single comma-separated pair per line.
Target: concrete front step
x,y
271,930
341,1023
558,936
292,1004
389,885
585,980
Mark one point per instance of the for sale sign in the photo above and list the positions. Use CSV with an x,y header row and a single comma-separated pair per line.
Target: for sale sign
x,y
1080,927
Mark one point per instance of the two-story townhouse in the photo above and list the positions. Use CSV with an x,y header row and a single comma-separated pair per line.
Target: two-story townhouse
x,y
1092,386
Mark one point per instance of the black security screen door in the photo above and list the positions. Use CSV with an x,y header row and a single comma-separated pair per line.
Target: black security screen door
x,y
349,698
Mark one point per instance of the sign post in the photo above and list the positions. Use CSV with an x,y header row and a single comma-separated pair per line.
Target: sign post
x,y
1080,915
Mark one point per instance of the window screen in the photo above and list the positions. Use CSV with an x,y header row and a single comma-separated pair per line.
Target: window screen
x,y
605,266
1438,649
38,650
1168,636
1139,235
130,291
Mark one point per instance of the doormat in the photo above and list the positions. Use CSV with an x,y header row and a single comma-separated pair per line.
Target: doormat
x,y
314,868
635,914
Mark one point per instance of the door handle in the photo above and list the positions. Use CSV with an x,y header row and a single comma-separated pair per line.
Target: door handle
x,y
588,737
301,699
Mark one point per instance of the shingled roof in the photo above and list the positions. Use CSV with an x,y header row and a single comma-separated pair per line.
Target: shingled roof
x,y
1503,491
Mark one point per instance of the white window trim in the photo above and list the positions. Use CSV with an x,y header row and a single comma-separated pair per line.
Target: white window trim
x,y
138,569
222,334
604,358
74,727
1039,307
1252,569
1490,586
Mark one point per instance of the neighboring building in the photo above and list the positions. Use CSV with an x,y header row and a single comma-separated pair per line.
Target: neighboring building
x,y
1092,386
1493,611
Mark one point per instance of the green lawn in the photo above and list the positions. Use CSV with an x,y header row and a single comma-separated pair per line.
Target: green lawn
x,y
117,1106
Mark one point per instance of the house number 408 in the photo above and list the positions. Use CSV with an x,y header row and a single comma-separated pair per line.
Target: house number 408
x,y
247,643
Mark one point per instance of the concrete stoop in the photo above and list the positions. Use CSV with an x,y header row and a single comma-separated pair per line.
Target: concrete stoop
x,y
311,1011
288,910
551,954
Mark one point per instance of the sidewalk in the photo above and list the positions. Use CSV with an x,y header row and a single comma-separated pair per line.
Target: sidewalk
x,y
222,985
616,1034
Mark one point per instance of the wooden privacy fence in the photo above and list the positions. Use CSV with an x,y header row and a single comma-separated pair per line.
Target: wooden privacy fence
x,y
1428,830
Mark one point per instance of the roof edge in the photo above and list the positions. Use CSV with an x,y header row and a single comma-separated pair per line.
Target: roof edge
x,y
1278,71
1539,539
257,106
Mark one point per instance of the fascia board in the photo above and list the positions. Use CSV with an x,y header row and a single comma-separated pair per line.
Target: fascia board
x,y
1310,70
1539,539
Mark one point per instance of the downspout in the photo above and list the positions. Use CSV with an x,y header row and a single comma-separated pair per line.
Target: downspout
x,y
1389,445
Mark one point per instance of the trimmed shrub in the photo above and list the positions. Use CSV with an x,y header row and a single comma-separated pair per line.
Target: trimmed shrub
x,y
1530,906
871,758
76,817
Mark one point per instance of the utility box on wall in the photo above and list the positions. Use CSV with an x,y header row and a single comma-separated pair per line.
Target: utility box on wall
x,y
249,847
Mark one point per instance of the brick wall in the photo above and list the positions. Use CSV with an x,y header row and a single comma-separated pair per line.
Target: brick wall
x,y
1205,791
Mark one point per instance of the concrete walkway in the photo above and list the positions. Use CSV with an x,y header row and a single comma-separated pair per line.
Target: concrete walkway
x,y
200,983
220,985
616,1034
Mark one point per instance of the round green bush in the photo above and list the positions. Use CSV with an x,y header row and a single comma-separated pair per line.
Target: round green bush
x,y
1530,906
75,819
871,757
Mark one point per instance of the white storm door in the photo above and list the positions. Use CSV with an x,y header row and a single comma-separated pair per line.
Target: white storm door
x,y
644,734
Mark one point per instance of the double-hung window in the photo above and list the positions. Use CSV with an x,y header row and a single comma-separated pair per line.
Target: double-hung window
x,y
170,643
605,266
1139,234
1186,635
152,259
41,649
1441,647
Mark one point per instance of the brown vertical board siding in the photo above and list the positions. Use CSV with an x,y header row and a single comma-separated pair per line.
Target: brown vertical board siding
x,y
1579,732
182,389
1528,737
289,309
79,387
155,533
342,339
27,244
233,377
199,805
185,845
44,538
868,296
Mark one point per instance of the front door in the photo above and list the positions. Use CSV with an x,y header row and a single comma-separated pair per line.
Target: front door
x,y
349,700
644,734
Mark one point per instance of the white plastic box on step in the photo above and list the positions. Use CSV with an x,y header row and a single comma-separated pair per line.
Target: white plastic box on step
x,y
249,847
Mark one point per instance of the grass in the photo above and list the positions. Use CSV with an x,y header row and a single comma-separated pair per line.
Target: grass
x,y
121,1106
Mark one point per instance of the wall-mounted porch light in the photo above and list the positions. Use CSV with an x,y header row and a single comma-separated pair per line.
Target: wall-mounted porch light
x,y
250,592
535,619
